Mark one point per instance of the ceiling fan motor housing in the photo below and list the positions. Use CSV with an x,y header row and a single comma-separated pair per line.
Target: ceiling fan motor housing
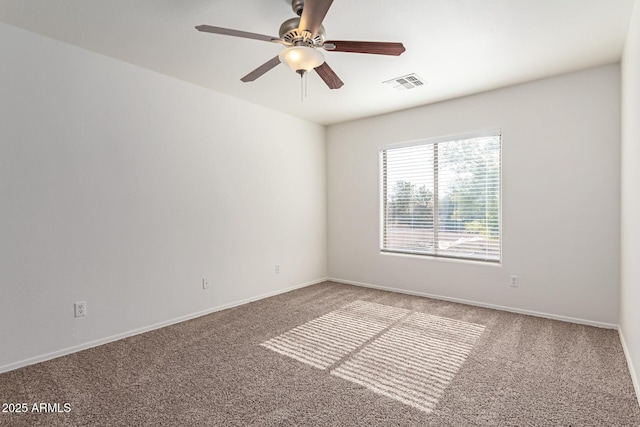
x,y
290,32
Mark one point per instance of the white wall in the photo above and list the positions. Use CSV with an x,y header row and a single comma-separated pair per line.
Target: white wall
x,y
630,193
124,187
561,159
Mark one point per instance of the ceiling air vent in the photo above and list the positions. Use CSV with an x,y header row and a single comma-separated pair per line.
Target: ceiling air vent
x,y
409,81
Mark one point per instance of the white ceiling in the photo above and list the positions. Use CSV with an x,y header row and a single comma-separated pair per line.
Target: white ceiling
x,y
458,47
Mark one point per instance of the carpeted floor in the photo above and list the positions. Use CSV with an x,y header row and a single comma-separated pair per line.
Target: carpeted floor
x,y
338,355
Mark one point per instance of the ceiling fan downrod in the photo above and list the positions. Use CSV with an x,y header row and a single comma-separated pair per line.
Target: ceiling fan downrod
x,y
297,6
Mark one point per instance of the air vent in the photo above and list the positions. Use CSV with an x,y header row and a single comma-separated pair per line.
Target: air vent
x,y
410,81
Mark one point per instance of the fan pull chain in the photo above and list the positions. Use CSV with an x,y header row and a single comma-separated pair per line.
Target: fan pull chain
x,y
303,86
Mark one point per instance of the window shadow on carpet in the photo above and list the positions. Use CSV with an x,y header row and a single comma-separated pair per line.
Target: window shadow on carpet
x,y
408,356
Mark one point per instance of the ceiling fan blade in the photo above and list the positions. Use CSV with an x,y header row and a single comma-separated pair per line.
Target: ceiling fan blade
x,y
376,48
313,14
236,33
261,69
327,74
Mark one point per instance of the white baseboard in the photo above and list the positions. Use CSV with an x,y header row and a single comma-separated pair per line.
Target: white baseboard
x,y
95,343
481,304
632,371
101,341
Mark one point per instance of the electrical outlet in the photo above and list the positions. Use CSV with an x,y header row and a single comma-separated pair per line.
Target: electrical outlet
x,y
277,269
205,283
80,308
514,282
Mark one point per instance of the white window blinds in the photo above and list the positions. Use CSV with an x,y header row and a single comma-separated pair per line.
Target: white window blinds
x,y
443,198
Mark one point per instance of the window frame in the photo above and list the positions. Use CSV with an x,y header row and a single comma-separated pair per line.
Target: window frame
x,y
383,193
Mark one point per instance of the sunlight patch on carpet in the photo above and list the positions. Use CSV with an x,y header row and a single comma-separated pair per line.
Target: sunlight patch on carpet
x,y
408,356
324,341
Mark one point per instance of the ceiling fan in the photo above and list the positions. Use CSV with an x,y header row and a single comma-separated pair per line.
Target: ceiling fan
x,y
303,36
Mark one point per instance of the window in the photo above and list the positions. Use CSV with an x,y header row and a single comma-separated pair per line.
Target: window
x,y
442,197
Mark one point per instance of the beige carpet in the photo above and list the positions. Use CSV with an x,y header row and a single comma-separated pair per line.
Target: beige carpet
x,y
333,354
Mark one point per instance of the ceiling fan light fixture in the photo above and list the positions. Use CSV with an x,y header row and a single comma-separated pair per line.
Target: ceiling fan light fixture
x,y
301,59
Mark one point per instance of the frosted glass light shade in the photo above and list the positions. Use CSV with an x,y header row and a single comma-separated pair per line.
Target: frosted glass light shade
x,y
301,58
